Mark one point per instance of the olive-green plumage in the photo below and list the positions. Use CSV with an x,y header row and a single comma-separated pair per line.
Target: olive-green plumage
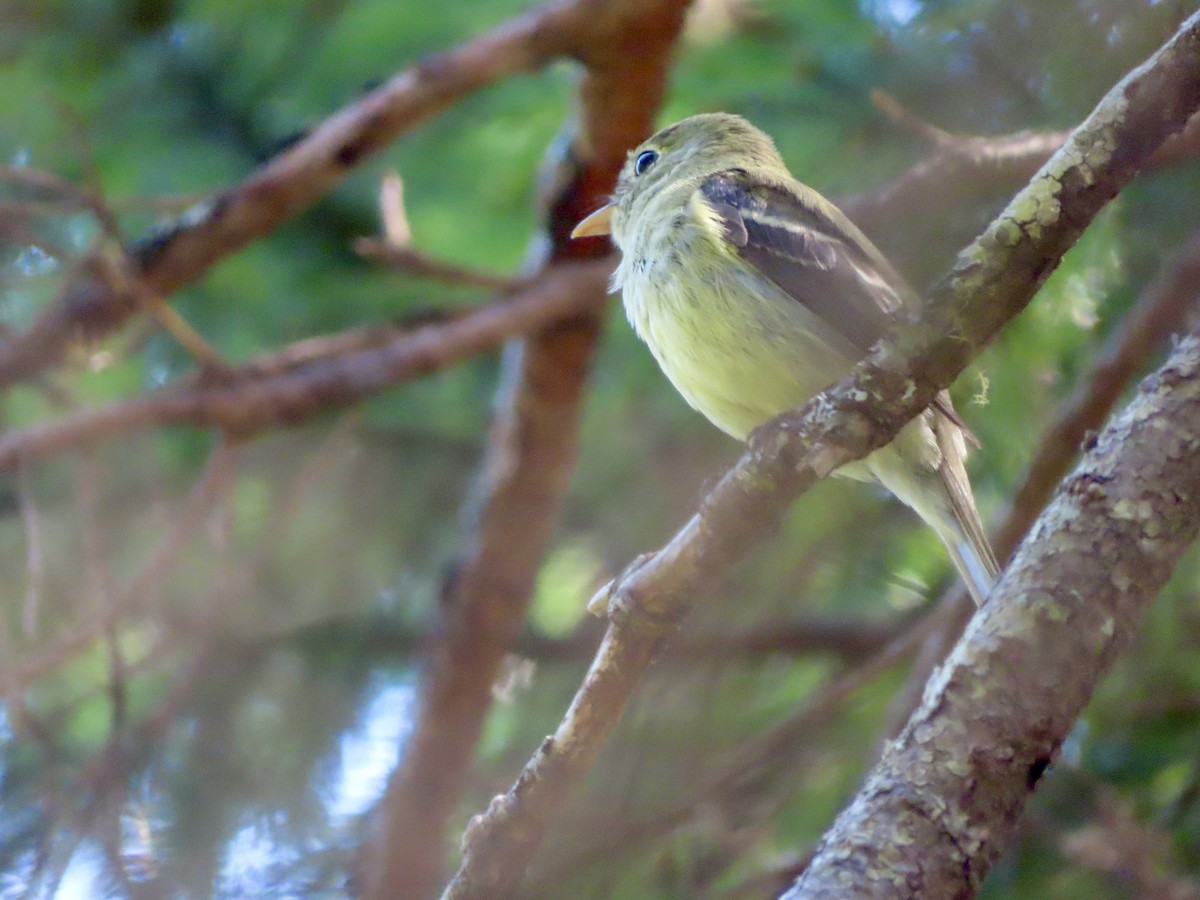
x,y
754,293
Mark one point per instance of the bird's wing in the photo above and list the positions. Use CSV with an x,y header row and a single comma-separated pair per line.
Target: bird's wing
x,y
806,247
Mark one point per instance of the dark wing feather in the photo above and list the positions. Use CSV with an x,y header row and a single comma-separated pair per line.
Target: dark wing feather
x,y
810,251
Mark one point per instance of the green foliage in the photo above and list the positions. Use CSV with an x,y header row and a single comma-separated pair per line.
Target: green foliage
x,y
334,528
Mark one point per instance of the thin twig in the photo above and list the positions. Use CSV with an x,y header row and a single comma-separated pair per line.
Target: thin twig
x,y
413,262
396,230
909,121
396,248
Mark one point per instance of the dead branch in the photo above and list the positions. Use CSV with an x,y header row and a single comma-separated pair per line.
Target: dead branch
x,y
396,250
994,279
413,262
849,641
909,121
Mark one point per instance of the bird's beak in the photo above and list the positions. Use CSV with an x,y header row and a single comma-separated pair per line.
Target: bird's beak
x,y
598,223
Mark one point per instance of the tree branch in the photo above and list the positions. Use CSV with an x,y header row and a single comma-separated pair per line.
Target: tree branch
x,y
955,781
1164,308
849,641
230,219
994,279
289,396
530,455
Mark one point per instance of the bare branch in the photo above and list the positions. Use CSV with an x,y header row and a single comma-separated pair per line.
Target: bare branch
x,y
295,394
909,121
396,230
994,279
530,455
849,641
230,219
412,261
396,248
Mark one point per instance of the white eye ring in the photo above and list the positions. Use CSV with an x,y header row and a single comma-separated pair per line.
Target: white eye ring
x,y
645,160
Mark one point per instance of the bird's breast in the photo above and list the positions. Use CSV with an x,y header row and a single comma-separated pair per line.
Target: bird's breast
x,y
735,346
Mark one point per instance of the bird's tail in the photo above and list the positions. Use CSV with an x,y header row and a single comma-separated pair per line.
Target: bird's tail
x,y
969,547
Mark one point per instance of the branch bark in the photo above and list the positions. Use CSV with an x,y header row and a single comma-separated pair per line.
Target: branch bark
x,y
1164,308
936,811
993,280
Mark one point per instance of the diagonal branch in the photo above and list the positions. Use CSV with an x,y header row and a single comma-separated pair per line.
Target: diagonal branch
x,y
993,280
291,395
1165,307
232,218
935,813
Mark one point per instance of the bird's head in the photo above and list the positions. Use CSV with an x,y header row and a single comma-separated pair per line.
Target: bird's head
x,y
674,161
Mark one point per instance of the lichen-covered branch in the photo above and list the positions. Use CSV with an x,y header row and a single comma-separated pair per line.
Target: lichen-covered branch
x,y
1164,308
935,813
994,279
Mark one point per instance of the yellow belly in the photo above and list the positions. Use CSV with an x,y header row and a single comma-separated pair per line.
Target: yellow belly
x,y
737,355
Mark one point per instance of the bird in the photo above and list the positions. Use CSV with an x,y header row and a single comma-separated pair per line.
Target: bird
x,y
754,293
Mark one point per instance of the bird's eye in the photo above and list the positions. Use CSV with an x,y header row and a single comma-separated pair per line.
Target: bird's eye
x,y
645,160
